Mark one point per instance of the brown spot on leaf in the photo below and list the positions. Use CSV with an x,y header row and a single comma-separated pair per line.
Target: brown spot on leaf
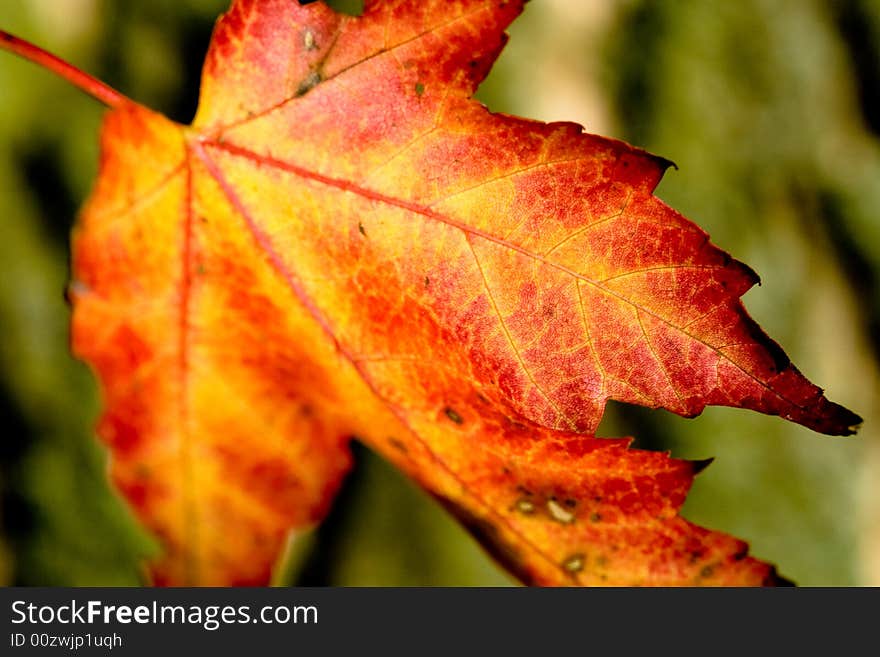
x,y
525,506
309,42
312,80
574,563
398,445
559,513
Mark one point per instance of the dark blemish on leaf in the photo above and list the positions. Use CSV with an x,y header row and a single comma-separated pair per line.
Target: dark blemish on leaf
x,y
741,554
473,63
306,410
361,229
452,415
570,503
602,561
707,571
398,445
420,88
525,506
427,281
595,517
200,269
524,490
574,563
312,81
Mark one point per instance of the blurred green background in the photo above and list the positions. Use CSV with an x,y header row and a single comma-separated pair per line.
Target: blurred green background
x,y
771,109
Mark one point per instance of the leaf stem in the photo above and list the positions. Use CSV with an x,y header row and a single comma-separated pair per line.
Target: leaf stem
x,y
80,79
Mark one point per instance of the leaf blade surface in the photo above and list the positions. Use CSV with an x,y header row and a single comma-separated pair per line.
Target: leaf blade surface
x,y
345,244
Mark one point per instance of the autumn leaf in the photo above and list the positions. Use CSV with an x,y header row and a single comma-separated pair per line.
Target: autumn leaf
x,y
345,244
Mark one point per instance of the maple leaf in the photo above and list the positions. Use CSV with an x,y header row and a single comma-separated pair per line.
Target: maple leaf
x,y
345,244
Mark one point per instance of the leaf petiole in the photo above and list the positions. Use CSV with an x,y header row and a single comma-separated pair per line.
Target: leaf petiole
x,y
72,74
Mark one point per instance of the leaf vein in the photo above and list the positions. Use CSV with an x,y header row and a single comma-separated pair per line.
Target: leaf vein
x,y
427,212
509,337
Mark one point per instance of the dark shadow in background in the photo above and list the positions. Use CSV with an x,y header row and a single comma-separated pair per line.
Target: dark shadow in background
x,y
861,36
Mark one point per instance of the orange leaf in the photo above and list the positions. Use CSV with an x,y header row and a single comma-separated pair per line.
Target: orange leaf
x,y
345,244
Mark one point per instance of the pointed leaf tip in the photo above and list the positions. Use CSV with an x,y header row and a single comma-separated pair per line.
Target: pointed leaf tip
x,y
698,465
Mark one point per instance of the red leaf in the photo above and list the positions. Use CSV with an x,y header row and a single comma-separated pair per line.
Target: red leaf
x,y
346,244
